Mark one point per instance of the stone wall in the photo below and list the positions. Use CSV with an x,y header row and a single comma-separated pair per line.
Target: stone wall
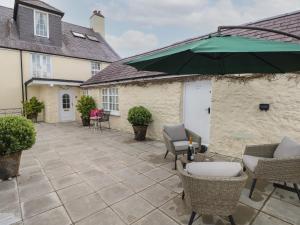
x,y
163,101
236,120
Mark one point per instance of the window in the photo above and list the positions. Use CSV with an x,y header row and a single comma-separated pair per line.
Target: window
x,y
85,92
79,35
66,101
41,66
92,38
110,100
41,24
95,68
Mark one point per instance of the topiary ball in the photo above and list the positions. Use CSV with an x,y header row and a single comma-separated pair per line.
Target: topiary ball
x,y
16,134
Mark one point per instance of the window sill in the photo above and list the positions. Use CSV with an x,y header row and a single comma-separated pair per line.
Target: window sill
x,y
115,113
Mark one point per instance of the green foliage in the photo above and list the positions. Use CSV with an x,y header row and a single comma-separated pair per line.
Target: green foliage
x,y
139,116
16,134
33,107
84,105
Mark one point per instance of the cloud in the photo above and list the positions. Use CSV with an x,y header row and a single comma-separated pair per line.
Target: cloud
x,y
133,42
196,15
7,3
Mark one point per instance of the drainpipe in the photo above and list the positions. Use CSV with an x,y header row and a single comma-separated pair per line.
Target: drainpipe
x,y
22,76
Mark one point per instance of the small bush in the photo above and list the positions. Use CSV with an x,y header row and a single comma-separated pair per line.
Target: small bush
x,y
33,107
85,105
16,134
139,116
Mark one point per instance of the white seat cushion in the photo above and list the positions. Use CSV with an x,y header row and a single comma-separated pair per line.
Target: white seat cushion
x,y
287,148
183,145
251,161
176,132
214,169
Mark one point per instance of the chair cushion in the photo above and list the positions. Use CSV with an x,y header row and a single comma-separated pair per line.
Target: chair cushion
x,y
214,169
176,133
251,161
287,148
183,145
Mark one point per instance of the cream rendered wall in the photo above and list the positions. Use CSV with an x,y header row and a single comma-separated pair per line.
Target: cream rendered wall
x,y
236,120
50,96
10,79
63,67
163,101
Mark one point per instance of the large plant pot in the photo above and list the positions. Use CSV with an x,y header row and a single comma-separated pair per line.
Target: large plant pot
x,y
33,117
85,121
9,165
140,132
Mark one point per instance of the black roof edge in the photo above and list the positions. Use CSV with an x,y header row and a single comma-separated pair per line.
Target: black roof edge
x,y
68,56
49,79
17,2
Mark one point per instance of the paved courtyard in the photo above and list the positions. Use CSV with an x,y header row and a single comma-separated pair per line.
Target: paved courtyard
x,y
74,175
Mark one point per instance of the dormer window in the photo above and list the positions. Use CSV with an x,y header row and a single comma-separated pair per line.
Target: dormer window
x,y
41,24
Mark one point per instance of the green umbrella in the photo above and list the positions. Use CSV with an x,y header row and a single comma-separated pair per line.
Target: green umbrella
x,y
223,55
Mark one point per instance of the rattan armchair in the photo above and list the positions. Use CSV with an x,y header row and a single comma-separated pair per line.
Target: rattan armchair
x,y
211,195
286,170
170,144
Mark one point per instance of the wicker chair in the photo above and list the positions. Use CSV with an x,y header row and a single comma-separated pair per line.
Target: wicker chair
x,y
211,195
272,169
169,142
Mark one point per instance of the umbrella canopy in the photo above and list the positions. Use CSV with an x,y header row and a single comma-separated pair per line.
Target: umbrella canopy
x,y
223,55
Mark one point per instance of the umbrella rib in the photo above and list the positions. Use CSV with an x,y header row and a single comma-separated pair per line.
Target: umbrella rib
x,y
265,61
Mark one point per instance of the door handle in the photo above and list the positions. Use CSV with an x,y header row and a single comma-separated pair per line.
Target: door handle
x,y
208,110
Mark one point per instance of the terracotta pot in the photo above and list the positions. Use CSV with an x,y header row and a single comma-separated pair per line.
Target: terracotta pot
x,y
9,165
140,132
33,117
85,121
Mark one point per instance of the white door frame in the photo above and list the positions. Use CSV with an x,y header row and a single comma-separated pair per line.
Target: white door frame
x,y
184,114
72,108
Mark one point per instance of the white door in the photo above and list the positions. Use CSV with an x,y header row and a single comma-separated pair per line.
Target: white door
x,y
197,103
66,106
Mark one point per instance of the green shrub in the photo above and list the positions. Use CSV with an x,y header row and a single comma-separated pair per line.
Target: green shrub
x,y
84,105
16,134
33,107
139,116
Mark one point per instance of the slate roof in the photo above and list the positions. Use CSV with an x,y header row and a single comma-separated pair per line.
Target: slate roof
x,y
71,46
117,71
37,4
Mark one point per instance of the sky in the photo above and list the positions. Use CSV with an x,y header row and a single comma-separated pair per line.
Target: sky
x,y
136,26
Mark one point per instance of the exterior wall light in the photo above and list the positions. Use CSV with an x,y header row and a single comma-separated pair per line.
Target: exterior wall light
x,y
264,107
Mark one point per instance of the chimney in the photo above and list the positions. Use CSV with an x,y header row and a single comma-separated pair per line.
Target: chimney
x,y
97,22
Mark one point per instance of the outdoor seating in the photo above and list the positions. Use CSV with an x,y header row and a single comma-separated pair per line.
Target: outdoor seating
x,y
212,191
176,140
95,115
104,119
274,163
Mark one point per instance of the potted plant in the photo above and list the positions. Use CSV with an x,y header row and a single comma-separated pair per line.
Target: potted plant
x,y
32,108
84,105
140,118
16,134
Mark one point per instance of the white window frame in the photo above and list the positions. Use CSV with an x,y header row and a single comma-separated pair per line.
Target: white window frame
x,y
94,71
114,112
49,73
86,92
35,22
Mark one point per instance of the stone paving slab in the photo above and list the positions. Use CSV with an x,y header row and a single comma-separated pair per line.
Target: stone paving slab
x,y
74,175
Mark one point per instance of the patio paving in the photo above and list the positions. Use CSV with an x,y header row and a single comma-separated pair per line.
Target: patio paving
x,y
74,175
